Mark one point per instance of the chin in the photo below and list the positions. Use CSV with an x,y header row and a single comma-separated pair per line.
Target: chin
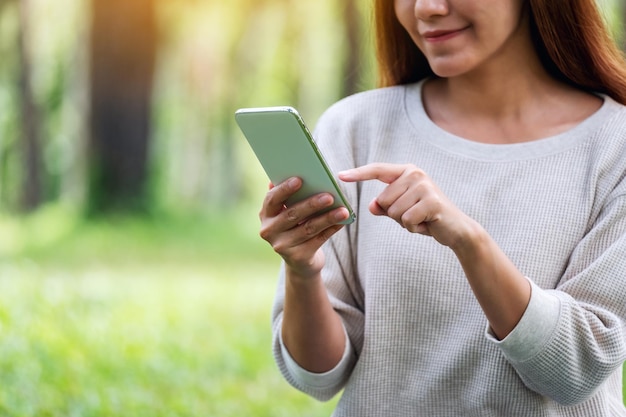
x,y
447,68
447,73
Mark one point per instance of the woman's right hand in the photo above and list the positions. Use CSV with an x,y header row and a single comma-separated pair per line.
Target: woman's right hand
x,y
312,330
297,233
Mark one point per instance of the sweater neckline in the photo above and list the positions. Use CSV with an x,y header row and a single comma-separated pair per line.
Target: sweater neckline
x,y
437,136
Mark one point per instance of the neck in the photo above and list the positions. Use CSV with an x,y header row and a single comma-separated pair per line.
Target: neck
x,y
516,104
501,90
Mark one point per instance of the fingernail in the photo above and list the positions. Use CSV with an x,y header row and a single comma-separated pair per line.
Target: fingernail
x,y
292,183
345,174
340,215
325,199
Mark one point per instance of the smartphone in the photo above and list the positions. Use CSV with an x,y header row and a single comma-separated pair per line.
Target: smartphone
x,y
285,148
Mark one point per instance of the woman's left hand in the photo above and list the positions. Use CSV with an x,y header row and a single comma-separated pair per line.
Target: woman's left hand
x,y
414,201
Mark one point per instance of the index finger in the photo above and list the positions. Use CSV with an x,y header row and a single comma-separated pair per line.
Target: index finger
x,y
277,195
384,172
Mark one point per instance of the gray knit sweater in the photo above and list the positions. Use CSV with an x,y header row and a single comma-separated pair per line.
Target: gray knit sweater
x,y
418,342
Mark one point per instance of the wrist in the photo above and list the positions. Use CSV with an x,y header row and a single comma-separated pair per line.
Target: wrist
x,y
301,276
471,240
305,268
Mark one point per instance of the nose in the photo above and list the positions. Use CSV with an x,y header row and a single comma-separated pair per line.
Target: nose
x,y
427,9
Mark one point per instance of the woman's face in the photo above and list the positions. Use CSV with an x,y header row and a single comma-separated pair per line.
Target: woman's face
x,y
459,36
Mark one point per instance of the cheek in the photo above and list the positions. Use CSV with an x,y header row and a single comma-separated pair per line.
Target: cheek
x,y
404,10
500,21
405,14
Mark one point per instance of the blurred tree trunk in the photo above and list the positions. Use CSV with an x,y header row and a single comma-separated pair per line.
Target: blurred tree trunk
x,y
31,196
353,68
122,60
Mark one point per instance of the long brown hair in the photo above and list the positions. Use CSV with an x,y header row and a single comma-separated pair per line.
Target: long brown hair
x,y
570,38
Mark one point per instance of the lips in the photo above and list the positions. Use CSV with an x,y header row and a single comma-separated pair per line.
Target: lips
x,y
441,35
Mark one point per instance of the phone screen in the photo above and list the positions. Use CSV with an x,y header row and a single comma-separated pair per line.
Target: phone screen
x,y
285,148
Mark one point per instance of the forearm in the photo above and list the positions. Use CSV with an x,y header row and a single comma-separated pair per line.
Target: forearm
x,y
312,330
500,288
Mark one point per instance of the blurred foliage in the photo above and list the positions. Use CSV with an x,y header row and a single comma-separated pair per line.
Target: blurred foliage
x,y
214,57
222,56
131,317
167,315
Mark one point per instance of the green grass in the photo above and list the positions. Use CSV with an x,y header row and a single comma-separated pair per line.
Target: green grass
x,y
160,317
139,317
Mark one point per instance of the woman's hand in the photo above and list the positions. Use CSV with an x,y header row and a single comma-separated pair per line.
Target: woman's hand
x,y
414,201
297,233
312,330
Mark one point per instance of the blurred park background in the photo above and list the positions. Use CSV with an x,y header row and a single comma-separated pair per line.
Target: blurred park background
x,y
132,278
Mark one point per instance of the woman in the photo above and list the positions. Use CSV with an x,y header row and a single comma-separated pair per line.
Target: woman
x,y
486,272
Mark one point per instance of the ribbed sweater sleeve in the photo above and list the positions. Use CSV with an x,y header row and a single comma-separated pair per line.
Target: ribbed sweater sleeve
x,y
572,338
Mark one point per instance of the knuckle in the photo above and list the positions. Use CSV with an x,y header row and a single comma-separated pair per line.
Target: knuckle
x,y
270,195
383,203
394,212
278,194
265,233
415,173
438,205
425,190
434,203
278,247
292,214
408,221
432,188
270,198
309,228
